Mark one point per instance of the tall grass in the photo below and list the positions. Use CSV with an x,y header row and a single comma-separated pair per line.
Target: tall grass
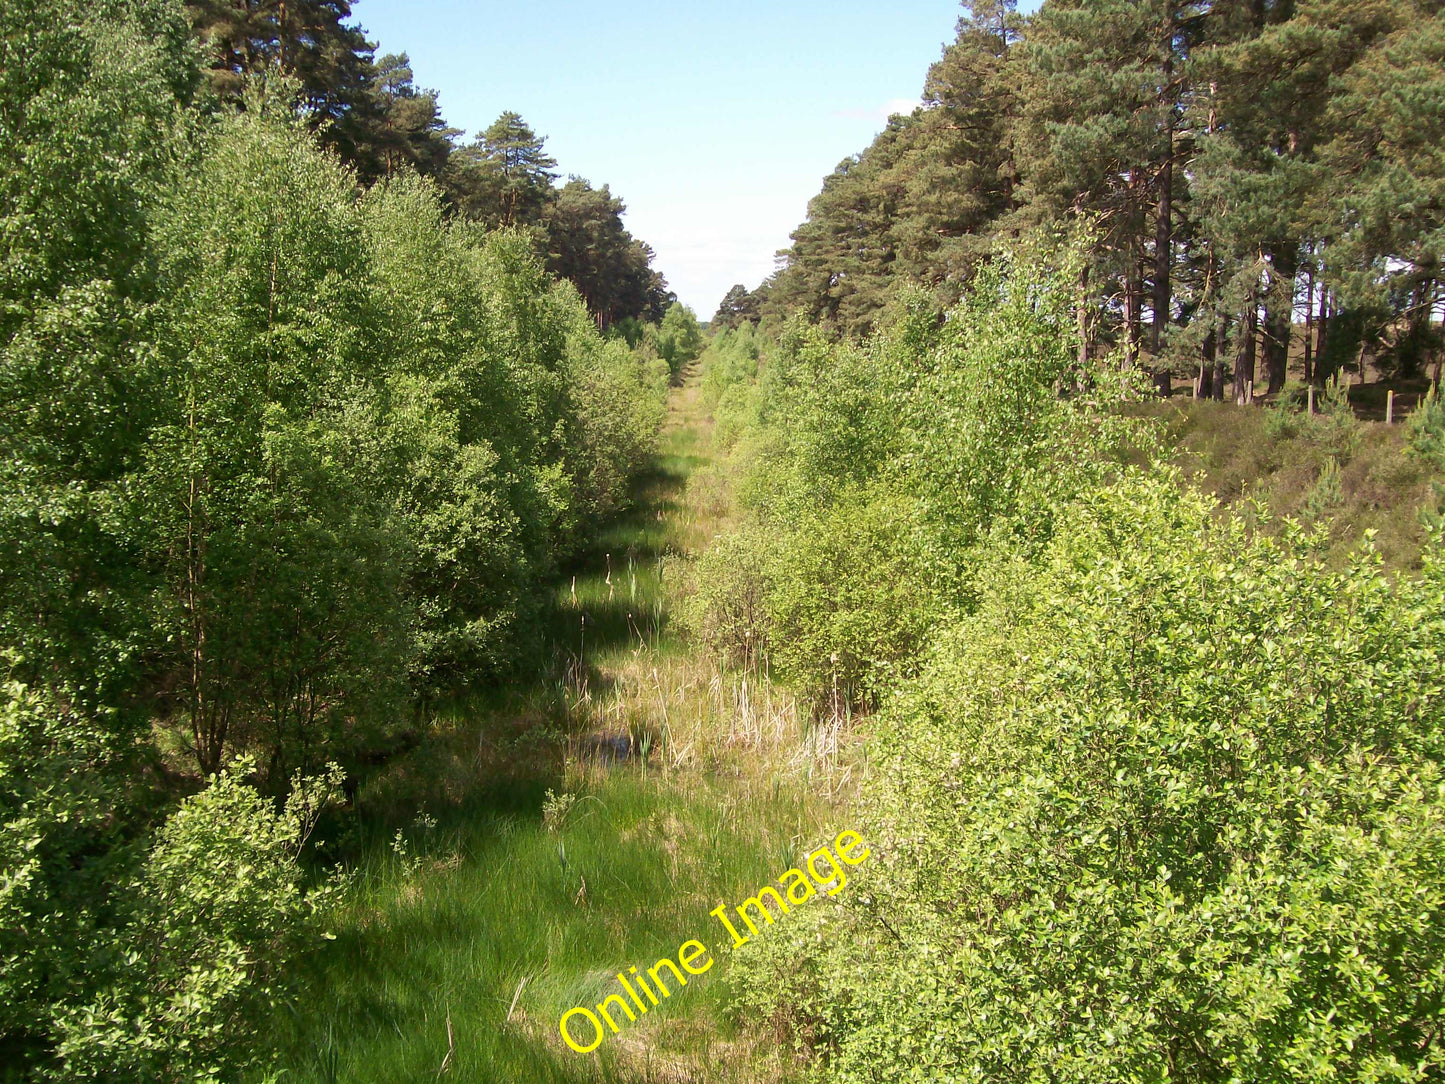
x,y
535,845
464,948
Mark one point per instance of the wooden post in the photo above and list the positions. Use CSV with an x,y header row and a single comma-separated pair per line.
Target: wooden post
x,y
1390,409
1312,399
1249,393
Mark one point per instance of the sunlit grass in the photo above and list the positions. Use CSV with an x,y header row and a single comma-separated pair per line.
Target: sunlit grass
x,y
473,924
496,930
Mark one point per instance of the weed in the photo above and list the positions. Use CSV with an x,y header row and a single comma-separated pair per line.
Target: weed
x,y
555,810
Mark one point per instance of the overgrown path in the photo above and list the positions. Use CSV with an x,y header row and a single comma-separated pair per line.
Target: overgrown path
x,y
569,831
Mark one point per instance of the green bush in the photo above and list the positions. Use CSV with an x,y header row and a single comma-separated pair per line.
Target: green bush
x,y
729,362
874,471
679,338
849,602
1425,431
135,958
59,852
217,914
727,611
1168,805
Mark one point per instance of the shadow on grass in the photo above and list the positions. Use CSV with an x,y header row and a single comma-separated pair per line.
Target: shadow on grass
x,y
469,962
473,920
497,750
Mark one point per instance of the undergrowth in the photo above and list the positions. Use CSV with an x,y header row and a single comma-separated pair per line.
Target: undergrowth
x,y
537,843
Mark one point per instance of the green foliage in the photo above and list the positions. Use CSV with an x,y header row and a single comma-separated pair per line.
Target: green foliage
x,y
729,366
1159,793
86,107
738,307
1223,152
58,857
310,42
215,917
587,244
1167,805
1426,429
1335,428
728,613
282,462
410,131
876,470
1287,417
504,177
134,960
679,338
280,565
1332,430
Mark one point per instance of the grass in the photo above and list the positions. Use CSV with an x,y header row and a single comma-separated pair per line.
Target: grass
x,y
533,847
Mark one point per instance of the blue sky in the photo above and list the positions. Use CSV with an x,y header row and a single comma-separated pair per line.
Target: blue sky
x,y
715,122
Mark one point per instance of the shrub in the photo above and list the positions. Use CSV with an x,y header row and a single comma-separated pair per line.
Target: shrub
x,y
1425,431
59,792
1168,805
218,913
134,959
849,601
727,611
875,471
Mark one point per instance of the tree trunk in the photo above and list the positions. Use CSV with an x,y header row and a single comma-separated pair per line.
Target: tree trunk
x,y
1322,342
1279,314
1204,386
1248,344
1163,260
1439,354
1221,344
1164,219
1422,307
1310,327
1083,317
1131,314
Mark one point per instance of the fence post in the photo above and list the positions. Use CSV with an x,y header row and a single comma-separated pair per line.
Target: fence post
x,y
1390,409
1312,399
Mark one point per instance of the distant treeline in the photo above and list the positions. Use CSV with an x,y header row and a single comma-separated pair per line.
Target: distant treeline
x,y
368,110
1249,166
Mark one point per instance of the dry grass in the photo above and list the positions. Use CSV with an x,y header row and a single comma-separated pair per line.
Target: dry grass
x,y
694,715
1348,487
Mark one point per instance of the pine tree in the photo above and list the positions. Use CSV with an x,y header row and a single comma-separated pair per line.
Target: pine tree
x,y
739,306
308,40
958,174
410,131
1384,179
842,260
505,176
587,244
923,203
1102,82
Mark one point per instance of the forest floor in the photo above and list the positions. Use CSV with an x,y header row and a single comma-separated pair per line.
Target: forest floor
x,y
1351,481
571,828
